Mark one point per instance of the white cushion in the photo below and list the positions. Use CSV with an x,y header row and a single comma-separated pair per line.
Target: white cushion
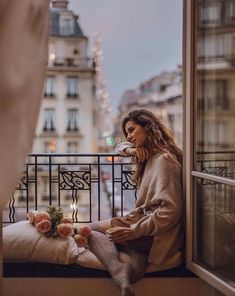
x,y
22,242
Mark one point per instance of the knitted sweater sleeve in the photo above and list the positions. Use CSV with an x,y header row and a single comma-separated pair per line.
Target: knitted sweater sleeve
x,y
165,193
120,148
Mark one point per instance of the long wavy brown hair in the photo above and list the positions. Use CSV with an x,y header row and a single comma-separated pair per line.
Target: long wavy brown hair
x,y
159,138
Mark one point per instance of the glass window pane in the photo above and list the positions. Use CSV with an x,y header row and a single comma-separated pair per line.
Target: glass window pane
x,y
216,163
67,26
49,119
214,109
49,87
214,227
72,86
72,120
214,139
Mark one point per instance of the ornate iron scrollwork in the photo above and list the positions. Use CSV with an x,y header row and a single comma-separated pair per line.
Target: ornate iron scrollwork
x,y
12,209
217,171
128,181
75,180
23,183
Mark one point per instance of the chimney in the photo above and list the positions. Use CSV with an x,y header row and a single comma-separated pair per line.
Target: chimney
x,y
60,4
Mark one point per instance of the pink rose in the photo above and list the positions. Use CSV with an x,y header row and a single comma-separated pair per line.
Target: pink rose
x,y
31,215
66,220
40,216
44,226
64,229
85,231
81,240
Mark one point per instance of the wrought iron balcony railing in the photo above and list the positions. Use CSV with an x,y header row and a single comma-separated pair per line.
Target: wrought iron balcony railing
x,y
87,186
90,186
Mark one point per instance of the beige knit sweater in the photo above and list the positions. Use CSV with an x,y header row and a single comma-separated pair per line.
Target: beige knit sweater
x,y
160,195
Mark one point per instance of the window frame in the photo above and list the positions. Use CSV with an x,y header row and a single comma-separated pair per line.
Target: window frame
x,y
49,85
51,113
189,54
67,26
72,120
72,83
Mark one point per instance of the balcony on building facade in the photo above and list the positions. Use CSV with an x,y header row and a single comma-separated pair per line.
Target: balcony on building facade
x,y
49,129
49,95
73,131
72,96
72,63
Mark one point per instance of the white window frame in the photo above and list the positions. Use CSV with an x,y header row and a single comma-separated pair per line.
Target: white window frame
x,y
72,123
72,86
49,86
188,173
49,119
66,26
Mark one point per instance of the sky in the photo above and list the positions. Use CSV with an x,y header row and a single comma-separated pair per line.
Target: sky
x,y
140,39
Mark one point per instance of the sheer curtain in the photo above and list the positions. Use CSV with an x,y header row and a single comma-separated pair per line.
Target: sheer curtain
x,y
23,56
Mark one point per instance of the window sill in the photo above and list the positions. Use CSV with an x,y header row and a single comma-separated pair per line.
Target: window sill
x,y
12,269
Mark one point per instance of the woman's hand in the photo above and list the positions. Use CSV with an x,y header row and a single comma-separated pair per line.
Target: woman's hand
x,y
121,234
141,153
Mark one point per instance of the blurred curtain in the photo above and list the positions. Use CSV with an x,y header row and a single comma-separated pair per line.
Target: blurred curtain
x,y
23,57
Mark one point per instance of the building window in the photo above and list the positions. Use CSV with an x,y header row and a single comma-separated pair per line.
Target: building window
x,y
49,146
230,11
215,95
49,86
72,148
210,14
67,26
46,192
49,120
72,120
72,86
215,135
214,47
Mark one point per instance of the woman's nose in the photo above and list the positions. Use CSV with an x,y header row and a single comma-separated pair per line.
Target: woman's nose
x,y
129,139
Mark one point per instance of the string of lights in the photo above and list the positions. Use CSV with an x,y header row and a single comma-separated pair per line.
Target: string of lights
x,y
104,110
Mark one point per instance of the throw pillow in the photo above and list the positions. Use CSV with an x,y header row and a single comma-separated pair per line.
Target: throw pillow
x,y
22,242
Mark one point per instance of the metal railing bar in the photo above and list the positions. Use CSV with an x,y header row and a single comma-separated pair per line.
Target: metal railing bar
x,y
50,189
90,200
215,178
98,187
58,185
36,174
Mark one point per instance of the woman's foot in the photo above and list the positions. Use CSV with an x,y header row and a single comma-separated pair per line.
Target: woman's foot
x,y
124,280
127,291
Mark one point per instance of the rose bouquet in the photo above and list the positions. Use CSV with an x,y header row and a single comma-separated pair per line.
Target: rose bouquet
x,y
53,223
81,236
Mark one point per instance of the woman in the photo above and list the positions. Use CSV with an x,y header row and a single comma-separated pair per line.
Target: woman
x,y
152,231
